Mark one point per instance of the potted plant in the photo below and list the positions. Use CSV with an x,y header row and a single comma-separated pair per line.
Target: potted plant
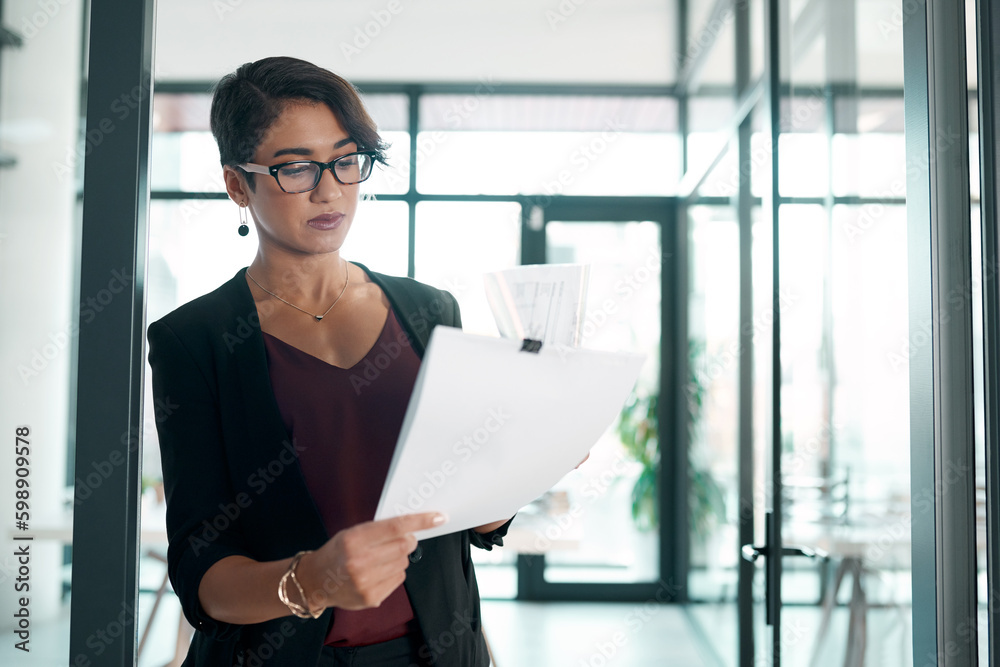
x,y
638,429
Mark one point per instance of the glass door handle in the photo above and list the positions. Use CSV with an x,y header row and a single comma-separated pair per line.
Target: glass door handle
x,y
751,553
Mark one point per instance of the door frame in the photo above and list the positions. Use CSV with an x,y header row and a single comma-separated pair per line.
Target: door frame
x,y
537,212
111,352
942,426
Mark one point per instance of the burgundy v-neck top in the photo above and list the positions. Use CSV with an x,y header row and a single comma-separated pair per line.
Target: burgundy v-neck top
x,y
345,422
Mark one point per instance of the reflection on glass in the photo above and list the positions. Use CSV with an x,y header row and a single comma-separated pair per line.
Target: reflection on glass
x,y
485,143
846,438
708,134
803,167
713,400
186,161
870,164
186,158
613,161
607,535
379,237
193,248
763,417
457,242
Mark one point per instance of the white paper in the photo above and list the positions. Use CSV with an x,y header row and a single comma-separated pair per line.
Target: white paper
x,y
489,428
539,301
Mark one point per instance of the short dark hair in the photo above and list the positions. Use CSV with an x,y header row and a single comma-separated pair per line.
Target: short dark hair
x,y
248,101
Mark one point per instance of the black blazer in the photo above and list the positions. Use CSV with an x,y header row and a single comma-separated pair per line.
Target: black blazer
x,y
234,487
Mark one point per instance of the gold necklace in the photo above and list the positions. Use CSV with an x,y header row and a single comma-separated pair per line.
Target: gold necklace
x,y
318,317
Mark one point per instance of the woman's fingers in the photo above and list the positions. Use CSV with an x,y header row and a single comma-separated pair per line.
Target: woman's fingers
x,y
377,532
360,566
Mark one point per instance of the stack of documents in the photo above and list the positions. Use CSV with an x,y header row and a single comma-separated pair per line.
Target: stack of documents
x,y
543,302
492,425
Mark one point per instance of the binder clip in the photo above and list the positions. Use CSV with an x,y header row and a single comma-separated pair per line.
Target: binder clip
x,y
531,345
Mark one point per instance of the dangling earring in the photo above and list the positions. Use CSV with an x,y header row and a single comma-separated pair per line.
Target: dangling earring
x,y
244,229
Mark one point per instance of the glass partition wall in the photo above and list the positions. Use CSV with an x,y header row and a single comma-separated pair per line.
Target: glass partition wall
x,y
445,211
820,149
769,182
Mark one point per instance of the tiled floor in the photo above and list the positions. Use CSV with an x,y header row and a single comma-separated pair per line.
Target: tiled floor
x,y
702,635
591,635
581,635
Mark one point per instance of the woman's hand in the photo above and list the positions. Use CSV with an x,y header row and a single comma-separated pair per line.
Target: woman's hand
x,y
359,567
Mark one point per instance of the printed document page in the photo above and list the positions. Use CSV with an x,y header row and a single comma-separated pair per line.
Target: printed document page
x,y
490,427
539,301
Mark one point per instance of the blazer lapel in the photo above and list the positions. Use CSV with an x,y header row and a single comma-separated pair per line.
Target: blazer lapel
x,y
257,415
264,436
405,304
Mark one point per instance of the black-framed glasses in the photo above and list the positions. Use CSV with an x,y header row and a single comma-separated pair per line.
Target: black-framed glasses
x,y
304,175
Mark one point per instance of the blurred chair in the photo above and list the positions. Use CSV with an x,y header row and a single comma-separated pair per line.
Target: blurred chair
x,y
812,507
874,533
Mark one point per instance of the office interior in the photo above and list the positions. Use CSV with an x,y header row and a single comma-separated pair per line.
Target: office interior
x,y
789,206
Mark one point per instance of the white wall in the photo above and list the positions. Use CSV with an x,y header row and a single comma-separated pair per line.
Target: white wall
x,y
39,120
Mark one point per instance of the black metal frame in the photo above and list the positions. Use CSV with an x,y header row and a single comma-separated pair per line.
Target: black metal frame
x,y
773,536
111,348
531,583
942,429
988,26
110,351
744,214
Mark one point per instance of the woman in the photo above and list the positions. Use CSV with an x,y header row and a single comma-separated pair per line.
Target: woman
x,y
275,457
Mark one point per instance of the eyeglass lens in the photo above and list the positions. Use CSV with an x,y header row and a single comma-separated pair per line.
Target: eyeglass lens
x,y
303,176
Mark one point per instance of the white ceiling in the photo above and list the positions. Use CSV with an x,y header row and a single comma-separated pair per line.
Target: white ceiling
x,y
523,41
554,41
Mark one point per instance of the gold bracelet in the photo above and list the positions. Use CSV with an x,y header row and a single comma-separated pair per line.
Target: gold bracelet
x,y
300,610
